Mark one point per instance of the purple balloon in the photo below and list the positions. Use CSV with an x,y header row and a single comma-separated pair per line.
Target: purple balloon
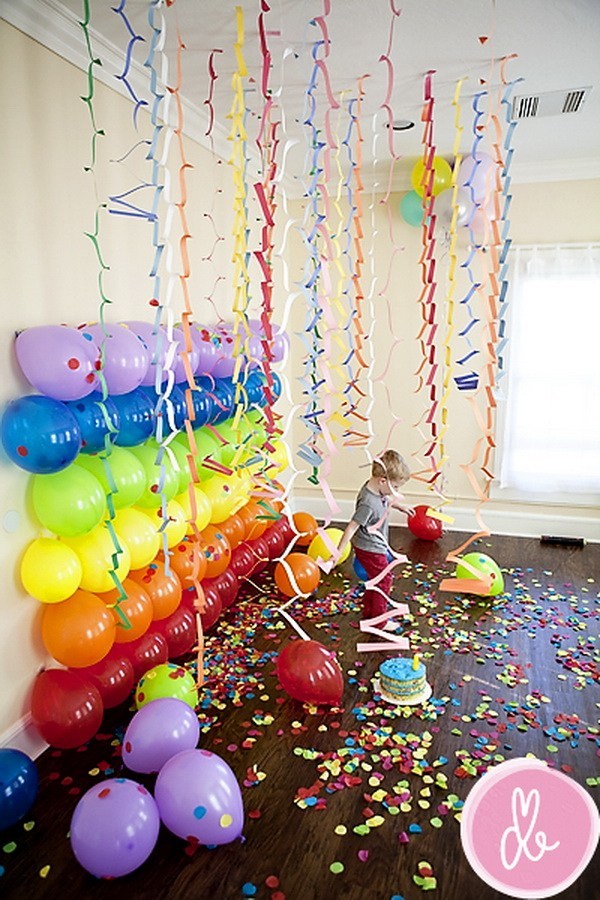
x,y
225,364
126,356
114,828
158,731
193,356
198,796
60,362
157,343
280,339
476,175
208,352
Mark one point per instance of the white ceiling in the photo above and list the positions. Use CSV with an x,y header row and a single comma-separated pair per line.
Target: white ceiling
x,y
556,41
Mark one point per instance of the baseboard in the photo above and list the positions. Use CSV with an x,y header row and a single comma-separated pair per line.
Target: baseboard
x,y
514,522
24,736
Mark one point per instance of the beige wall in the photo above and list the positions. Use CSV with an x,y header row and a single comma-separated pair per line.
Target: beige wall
x,y
540,213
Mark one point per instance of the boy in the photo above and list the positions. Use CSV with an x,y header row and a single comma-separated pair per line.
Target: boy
x,y
369,526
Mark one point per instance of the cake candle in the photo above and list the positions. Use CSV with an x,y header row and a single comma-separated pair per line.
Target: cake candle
x,y
415,662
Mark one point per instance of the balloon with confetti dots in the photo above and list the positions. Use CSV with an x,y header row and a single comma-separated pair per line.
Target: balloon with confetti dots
x,y
198,796
114,828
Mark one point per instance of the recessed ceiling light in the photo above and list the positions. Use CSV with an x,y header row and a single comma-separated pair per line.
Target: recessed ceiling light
x,y
401,124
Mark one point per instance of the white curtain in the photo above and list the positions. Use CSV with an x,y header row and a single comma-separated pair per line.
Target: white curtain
x,y
551,435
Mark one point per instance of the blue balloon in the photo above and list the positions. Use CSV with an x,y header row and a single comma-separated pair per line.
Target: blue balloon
x,y
203,407
92,423
254,388
18,785
39,434
136,412
222,394
177,399
359,570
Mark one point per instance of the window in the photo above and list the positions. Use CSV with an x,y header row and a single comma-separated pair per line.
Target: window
x,y
550,417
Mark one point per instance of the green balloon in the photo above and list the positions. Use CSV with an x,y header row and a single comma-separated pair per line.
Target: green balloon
x,y
69,503
256,428
411,208
486,567
128,474
233,437
208,445
151,496
181,453
167,680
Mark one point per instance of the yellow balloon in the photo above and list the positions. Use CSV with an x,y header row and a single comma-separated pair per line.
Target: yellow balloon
x,y
442,176
278,458
139,533
95,551
220,490
203,508
176,527
318,548
50,571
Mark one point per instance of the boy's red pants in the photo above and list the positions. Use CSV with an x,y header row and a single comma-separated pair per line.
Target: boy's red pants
x,y
374,602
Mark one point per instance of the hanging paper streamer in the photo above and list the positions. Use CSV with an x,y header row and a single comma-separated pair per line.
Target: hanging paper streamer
x,y
427,371
95,240
209,100
138,103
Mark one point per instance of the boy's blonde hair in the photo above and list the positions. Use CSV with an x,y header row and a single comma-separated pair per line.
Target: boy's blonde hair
x,y
392,466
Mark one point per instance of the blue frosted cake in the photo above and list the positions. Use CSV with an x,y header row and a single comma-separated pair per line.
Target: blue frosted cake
x,y
400,681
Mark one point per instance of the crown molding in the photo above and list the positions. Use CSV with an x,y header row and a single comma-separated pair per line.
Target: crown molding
x,y
59,30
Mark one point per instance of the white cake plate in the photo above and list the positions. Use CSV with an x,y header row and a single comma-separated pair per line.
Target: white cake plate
x,y
417,700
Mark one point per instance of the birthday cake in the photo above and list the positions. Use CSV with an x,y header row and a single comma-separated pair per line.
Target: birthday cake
x,y
403,681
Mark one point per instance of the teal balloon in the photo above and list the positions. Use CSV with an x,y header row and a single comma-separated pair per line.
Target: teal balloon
x,y
411,208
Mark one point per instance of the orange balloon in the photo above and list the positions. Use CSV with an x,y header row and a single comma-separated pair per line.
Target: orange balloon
x,y
136,606
255,526
163,590
305,572
216,550
234,529
181,562
307,526
79,631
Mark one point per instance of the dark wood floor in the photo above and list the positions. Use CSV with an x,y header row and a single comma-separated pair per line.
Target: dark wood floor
x,y
506,675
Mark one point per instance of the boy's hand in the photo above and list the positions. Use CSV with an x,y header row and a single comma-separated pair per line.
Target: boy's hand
x,y
407,510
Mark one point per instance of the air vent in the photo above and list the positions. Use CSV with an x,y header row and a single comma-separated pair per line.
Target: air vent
x,y
551,103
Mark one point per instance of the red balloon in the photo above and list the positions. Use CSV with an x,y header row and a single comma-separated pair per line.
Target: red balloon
x,y
283,525
242,561
113,676
213,605
275,540
310,673
423,526
179,631
228,585
260,551
148,651
66,708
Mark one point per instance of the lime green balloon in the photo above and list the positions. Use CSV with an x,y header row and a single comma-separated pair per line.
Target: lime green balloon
x,y
233,437
167,680
181,452
152,496
257,428
485,567
208,445
128,474
69,503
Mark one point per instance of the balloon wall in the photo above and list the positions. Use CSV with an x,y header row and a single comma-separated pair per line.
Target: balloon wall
x,y
138,532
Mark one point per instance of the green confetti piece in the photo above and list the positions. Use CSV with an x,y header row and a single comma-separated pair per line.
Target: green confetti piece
x,y
10,847
336,868
436,822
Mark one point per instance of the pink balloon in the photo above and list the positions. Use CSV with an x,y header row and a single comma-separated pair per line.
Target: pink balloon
x,y
126,356
58,361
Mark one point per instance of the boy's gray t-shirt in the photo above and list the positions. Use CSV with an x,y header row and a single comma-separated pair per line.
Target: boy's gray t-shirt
x,y
371,510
